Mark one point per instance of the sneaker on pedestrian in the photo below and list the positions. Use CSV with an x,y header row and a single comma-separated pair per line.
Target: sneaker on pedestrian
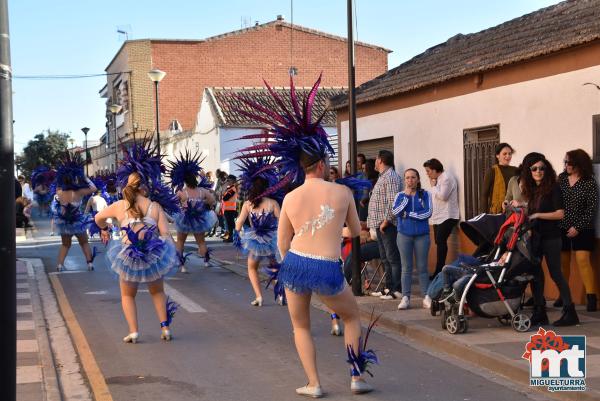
x,y
397,294
404,303
427,302
387,294
376,294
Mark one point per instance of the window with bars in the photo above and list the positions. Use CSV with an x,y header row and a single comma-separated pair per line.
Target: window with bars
x,y
478,145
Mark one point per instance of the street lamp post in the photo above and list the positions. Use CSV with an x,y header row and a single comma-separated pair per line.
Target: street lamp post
x,y
85,132
156,76
115,109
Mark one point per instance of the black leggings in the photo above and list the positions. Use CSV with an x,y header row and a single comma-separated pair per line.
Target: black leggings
x,y
550,250
230,216
441,232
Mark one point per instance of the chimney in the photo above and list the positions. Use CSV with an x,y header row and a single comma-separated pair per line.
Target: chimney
x,y
280,17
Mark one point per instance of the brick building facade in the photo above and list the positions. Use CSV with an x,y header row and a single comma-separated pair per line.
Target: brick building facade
x,y
240,58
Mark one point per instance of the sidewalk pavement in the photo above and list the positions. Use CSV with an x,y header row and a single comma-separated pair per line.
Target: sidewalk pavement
x,y
36,374
487,343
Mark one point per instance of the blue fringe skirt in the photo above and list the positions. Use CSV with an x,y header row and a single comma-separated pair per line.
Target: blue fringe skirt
x,y
160,262
77,227
202,222
259,247
303,273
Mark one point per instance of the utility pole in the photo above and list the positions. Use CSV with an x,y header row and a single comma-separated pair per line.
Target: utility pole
x,y
8,274
356,276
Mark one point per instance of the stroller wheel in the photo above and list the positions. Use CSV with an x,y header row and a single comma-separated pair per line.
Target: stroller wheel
x,y
504,320
452,324
521,322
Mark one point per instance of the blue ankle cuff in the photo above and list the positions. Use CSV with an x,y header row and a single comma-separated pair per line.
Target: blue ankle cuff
x,y
354,372
334,316
164,324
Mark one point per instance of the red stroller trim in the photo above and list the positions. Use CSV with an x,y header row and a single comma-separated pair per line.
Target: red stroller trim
x,y
515,220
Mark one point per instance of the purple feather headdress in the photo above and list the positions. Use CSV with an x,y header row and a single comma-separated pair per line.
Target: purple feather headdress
x,y
184,165
69,172
42,175
291,134
356,184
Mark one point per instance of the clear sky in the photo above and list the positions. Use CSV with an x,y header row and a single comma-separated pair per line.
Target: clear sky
x,y
58,37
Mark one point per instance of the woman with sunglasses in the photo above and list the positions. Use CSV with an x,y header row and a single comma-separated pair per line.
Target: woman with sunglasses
x,y
544,203
580,192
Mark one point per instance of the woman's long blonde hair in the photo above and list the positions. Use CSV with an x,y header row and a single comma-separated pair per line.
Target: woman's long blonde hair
x,y
130,193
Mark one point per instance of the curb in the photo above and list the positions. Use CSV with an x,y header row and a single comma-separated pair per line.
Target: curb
x,y
434,341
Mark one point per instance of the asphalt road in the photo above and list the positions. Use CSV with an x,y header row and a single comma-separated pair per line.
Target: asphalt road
x,y
224,349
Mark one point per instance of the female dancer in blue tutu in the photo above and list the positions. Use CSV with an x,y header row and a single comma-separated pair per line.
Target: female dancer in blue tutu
x,y
310,227
71,187
197,202
259,240
146,253
41,181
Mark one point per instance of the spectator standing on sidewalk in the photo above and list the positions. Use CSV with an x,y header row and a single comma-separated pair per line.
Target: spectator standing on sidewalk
x,y
444,192
229,202
496,180
413,209
380,218
580,193
545,207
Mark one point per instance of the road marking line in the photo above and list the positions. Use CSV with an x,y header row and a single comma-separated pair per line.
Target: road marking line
x,y
96,293
88,362
25,325
183,301
29,374
67,272
23,295
22,285
27,346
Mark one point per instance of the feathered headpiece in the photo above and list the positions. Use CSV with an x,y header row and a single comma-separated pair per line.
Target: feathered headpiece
x,y
42,176
69,172
142,158
356,184
260,167
291,134
184,165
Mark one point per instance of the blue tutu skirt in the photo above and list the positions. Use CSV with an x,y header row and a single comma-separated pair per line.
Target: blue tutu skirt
x,y
259,247
160,262
302,273
77,226
201,222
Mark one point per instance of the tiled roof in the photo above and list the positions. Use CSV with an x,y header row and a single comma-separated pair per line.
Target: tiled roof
x,y
226,103
551,29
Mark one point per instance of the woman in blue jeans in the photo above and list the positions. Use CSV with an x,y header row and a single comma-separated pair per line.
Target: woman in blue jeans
x,y
413,208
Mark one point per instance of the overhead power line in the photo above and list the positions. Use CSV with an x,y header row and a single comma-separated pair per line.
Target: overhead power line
x,y
67,76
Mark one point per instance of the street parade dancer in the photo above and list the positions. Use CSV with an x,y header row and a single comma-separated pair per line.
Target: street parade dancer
x,y
96,203
310,227
197,216
69,220
41,181
259,239
146,253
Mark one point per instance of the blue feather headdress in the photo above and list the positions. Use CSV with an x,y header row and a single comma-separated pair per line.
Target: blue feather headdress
x,y
291,134
184,165
260,167
42,175
69,172
356,184
142,158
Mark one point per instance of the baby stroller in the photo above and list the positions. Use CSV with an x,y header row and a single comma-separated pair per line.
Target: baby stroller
x,y
495,286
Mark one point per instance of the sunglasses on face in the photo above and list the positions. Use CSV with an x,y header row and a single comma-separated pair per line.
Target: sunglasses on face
x,y
534,169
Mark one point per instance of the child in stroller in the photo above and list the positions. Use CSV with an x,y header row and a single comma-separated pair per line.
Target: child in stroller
x,y
493,281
